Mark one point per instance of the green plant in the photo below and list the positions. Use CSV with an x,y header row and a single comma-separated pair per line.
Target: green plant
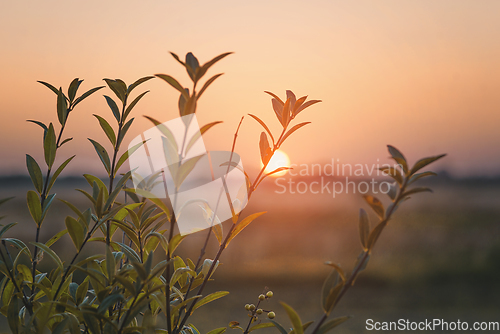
x,y
124,290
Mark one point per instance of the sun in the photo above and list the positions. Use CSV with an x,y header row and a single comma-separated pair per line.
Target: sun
x,y
279,159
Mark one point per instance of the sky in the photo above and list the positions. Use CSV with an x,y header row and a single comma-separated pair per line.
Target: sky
x,y
422,76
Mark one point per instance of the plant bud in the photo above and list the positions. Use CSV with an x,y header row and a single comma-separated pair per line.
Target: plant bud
x,y
271,315
262,297
259,311
269,294
251,307
247,307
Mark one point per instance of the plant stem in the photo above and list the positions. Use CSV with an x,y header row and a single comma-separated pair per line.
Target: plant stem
x,y
43,197
361,263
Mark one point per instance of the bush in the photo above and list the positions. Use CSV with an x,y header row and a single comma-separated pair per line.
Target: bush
x,y
124,290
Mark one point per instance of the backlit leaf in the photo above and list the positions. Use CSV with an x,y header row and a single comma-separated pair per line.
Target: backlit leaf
x,y
211,297
424,162
376,205
398,157
294,318
244,223
265,150
293,129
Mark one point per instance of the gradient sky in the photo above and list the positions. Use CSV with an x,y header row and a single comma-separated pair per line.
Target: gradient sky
x,y
423,76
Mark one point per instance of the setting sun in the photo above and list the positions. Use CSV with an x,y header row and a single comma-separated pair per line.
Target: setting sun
x,y
279,159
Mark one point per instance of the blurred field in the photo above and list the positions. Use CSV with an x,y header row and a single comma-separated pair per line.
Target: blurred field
x,y
438,258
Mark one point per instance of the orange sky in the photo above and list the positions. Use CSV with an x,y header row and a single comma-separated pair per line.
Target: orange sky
x,y
423,76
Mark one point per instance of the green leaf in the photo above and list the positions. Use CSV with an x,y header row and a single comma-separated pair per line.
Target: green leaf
x,y
73,88
58,172
103,155
191,65
417,190
56,237
263,125
49,146
331,298
185,169
217,331
110,263
34,206
50,253
130,253
6,228
62,107
279,327
109,301
203,69
124,132
65,141
294,318
174,242
114,108
76,231
85,95
424,162
13,315
329,325
49,86
211,297
132,105
398,157
108,130
244,223
35,173
3,200
364,227
198,134
376,205
43,126
261,325
174,83
118,87
138,82
394,173
338,269
374,234
208,83
46,205
126,155
415,177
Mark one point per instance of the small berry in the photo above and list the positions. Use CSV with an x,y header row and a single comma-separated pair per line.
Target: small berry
x,y
262,297
251,307
259,311
247,307
271,315
269,294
